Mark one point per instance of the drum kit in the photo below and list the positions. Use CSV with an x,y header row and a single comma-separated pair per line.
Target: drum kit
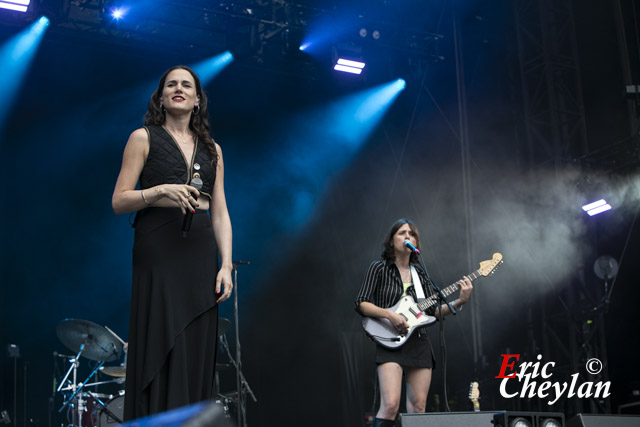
x,y
100,344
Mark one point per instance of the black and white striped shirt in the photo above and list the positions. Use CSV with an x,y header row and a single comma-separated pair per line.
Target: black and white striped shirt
x,y
382,285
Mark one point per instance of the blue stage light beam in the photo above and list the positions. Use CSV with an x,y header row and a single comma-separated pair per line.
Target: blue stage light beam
x,y
328,30
17,5
15,57
356,116
320,143
208,69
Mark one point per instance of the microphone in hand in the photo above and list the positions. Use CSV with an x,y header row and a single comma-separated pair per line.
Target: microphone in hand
x,y
186,223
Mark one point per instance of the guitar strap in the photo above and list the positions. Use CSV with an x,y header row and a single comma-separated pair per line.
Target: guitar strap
x,y
417,284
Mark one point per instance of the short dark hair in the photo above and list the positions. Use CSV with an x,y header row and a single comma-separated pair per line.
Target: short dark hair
x,y
388,253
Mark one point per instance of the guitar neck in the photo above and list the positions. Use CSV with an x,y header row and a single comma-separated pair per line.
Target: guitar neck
x,y
433,299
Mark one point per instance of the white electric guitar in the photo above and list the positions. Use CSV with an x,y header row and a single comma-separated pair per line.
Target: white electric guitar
x,y
384,333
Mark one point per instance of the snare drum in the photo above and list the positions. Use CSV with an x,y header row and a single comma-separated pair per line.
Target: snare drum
x,y
116,406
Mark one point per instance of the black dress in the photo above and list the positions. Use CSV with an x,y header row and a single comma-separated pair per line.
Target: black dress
x,y
173,319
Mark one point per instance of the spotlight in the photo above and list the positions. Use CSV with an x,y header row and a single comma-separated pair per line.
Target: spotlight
x,y
363,32
375,35
596,207
549,422
519,422
349,66
528,419
606,267
117,13
17,5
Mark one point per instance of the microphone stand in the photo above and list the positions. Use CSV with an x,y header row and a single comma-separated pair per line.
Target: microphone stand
x,y
241,383
82,384
225,344
441,296
443,347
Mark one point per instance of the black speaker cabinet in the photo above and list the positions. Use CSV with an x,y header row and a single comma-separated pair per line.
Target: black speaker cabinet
x,y
592,420
533,419
447,419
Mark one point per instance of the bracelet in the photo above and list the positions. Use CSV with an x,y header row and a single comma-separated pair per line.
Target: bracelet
x,y
458,305
143,199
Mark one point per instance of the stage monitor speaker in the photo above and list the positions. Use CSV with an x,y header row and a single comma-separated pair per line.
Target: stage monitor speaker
x,y
593,420
447,419
528,419
201,414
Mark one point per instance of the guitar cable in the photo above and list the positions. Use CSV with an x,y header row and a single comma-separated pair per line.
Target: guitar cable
x,y
443,346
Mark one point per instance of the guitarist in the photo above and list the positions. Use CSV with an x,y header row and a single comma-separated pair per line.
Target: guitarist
x,y
386,281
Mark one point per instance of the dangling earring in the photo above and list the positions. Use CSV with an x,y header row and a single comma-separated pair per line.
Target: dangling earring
x,y
162,108
196,109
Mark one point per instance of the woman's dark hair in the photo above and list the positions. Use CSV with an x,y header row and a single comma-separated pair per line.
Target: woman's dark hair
x,y
388,253
199,122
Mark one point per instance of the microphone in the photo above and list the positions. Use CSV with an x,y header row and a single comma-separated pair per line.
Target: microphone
x,y
64,356
186,223
408,244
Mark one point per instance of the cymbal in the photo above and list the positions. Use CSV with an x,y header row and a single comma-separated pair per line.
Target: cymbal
x,y
99,344
223,325
114,371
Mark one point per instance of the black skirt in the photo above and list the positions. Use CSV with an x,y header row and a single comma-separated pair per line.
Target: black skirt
x,y
415,353
173,320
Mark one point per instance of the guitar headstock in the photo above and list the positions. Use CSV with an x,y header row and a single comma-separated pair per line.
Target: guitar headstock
x,y
489,266
474,392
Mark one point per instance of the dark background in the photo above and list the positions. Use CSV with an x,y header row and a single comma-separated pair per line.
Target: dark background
x,y
310,214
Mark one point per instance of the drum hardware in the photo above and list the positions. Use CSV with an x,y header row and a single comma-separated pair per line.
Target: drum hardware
x,y
95,343
225,400
115,412
223,325
117,371
244,387
241,382
105,407
77,388
222,367
99,344
114,371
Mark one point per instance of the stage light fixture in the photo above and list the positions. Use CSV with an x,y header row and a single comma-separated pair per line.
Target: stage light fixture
x,y
117,13
17,5
519,422
349,66
596,207
376,35
549,422
363,32
528,419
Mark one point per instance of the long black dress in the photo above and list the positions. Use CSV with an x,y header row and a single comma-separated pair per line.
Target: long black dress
x,y
173,318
